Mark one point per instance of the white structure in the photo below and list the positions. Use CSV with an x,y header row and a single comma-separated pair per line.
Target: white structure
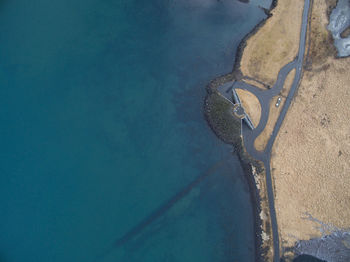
x,y
239,110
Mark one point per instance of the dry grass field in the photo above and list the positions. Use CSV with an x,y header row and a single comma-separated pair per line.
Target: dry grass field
x,y
274,112
250,104
288,83
275,44
261,141
311,156
254,83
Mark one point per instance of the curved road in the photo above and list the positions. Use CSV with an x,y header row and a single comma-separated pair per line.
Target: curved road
x,y
264,97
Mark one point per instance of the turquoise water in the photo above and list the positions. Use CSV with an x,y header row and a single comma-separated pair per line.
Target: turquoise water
x,y
104,152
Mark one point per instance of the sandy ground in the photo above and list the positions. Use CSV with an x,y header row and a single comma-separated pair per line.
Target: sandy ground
x,y
250,104
311,156
275,44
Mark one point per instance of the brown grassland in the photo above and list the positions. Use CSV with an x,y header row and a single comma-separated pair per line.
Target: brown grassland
x,y
311,156
262,140
275,44
250,104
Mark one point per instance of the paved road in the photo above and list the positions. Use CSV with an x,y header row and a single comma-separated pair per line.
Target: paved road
x,y
264,97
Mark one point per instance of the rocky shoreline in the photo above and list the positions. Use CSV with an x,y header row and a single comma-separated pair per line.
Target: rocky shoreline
x,y
219,115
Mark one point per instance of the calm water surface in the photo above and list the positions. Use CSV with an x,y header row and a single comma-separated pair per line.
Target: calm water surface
x,y
104,151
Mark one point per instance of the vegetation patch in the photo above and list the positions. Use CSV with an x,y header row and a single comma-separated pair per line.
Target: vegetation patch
x,y
219,113
320,39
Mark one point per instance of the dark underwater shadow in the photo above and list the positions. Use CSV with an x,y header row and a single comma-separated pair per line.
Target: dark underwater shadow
x,y
161,210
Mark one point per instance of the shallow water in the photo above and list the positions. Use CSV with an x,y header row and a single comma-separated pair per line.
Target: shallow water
x,y
102,132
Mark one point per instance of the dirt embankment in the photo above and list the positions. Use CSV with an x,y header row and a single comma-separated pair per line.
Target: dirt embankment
x,y
311,156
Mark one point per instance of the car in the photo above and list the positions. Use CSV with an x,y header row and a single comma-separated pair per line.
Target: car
x,y
279,99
